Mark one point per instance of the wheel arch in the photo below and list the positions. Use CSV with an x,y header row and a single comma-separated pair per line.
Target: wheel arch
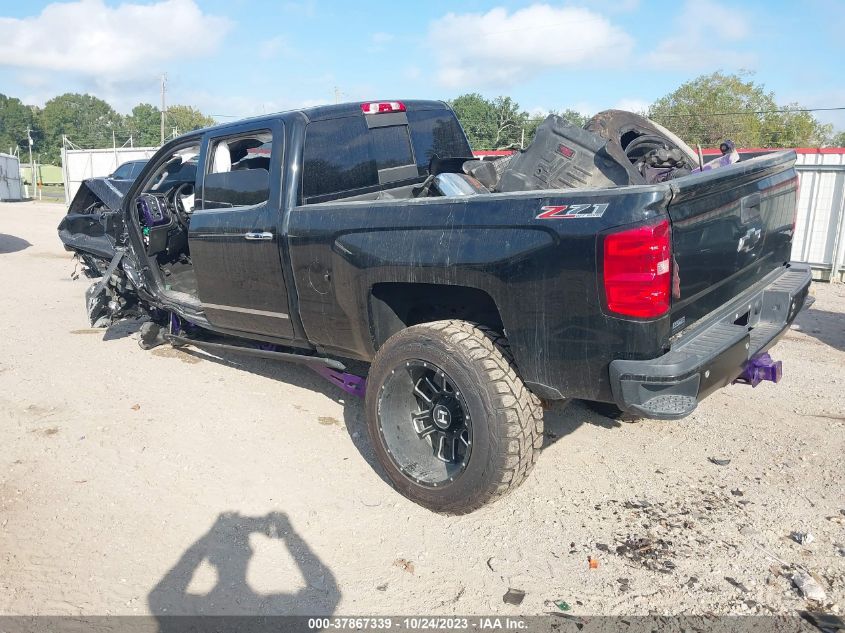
x,y
394,306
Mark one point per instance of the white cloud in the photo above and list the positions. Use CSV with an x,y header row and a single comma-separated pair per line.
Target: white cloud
x,y
615,6
538,112
626,5
268,49
226,107
498,49
92,39
705,37
379,42
381,38
307,8
632,105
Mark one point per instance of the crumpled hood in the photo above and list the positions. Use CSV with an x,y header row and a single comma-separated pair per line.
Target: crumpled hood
x,y
103,190
93,223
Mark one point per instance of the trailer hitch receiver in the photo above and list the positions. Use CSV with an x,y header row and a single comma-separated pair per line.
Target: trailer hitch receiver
x,y
759,368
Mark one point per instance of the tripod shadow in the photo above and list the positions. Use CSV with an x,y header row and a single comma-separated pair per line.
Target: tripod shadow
x,y
227,549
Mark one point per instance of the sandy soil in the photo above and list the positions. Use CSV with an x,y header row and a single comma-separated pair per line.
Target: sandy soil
x,y
175,482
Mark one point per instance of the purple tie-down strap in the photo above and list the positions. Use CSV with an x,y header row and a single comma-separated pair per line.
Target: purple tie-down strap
x,y
175,324
761,368
350,383
180,326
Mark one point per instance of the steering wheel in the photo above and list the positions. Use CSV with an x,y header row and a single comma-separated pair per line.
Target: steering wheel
x,y
179,202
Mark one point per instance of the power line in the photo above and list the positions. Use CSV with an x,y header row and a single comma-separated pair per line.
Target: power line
x,y
782,111
665,116
674,116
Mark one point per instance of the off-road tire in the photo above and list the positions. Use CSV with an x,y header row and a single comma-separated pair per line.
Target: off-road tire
x,y
507,419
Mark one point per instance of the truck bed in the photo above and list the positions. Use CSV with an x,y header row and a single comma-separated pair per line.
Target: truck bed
x,y
731,227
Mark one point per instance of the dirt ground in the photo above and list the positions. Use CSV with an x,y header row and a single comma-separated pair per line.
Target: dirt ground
x,y
176,482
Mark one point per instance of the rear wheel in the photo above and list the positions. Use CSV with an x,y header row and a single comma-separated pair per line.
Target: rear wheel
x,y
450,420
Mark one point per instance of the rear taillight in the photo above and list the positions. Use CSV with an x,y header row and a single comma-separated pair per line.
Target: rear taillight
x,y
380,107
637,271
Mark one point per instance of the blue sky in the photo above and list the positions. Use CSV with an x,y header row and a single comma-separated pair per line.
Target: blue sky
x,y
234,58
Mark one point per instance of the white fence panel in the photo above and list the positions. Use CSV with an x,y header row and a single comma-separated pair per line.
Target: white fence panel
x,y
10,178
820,230
79,164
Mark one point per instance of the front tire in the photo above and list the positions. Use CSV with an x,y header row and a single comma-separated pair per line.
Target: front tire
x,y
450,420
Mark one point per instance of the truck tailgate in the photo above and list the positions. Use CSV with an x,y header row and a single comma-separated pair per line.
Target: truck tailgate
x,y
730,227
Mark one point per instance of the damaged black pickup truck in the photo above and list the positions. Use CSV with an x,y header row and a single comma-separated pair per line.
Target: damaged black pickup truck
x,y
595,264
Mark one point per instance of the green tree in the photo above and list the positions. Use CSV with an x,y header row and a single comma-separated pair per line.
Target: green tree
x,y
15,117
571,116
838,140
509,123
86,120
144,124
476,116
184,119
500,123
714,107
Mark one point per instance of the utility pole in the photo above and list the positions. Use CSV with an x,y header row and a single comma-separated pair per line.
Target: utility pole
x,y
163,106
31,164
336,94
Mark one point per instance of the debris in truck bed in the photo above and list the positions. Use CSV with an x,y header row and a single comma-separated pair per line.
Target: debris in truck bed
x,y
563,156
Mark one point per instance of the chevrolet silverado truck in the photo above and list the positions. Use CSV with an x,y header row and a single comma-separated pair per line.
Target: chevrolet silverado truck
x,y
366,235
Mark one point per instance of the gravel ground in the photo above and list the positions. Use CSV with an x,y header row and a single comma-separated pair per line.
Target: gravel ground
x,y
176,482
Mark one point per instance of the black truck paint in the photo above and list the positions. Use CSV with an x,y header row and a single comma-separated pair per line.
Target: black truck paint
x,y
336,269
333,276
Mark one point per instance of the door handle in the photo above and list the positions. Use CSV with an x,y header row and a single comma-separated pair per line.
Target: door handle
x,y
265,236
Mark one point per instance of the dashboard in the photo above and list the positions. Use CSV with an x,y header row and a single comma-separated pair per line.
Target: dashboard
x,y
164,219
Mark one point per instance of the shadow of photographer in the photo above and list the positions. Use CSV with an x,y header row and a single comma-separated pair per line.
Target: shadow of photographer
x,y
226,547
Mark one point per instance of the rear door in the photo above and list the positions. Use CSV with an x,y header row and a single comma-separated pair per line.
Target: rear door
x,y
234,232
357,157
730,228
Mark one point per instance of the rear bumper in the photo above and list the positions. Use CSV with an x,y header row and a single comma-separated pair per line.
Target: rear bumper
x,y
714,352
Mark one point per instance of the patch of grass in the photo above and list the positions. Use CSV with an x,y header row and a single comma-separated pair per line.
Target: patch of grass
x,y
49,192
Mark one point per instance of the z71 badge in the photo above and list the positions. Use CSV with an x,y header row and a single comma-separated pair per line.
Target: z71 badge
x,y
568,211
